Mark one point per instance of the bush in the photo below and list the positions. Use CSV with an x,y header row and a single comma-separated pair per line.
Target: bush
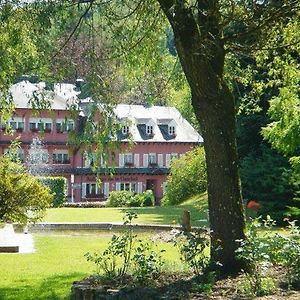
x,y
129,199
84,204
125,254
119,198
148,198
22,198
135,200
187,178
58,187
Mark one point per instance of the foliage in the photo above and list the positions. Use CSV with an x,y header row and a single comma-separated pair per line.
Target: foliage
x,y
119,198
265,176
129,199
121,255
22,198
148,198
188,177
255,251
192,247
262,249
119,248
147,263
58,187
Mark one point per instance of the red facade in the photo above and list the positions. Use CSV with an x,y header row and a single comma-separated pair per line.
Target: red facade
x,y
138,167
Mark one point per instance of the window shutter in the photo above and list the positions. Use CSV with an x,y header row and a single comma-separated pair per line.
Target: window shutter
x,y
106,189
121,160
136,160
145,160
117,186
140,187
83,190
160,160
168,160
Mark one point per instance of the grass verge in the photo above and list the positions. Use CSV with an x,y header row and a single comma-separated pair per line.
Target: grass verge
x,y
57,263
197,205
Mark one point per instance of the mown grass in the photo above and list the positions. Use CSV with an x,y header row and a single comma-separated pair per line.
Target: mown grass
x,y
58,261
197,205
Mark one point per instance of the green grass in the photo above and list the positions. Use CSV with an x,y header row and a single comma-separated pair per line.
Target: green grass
x,y
58,261
146,215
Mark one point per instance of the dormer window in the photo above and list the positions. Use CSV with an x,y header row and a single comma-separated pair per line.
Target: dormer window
x,y
172,130
149,129
125,130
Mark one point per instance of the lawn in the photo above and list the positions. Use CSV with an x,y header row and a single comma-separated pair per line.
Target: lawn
x,y
59,260
197,205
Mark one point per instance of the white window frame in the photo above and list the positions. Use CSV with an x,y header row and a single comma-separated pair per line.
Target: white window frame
x,y
125,129
90,186
65,125
172,130
128,159
152,159
60,157
129,186
149,129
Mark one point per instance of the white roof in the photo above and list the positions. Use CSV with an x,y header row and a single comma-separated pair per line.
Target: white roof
x,y
138,116
160,116
60,97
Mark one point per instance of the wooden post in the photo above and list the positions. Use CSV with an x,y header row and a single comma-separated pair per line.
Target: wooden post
x,y
186,221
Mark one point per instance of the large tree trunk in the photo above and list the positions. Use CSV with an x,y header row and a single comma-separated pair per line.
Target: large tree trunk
x,y
201,52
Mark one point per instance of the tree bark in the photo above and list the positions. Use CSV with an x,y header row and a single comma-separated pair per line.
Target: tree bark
x,y
202,55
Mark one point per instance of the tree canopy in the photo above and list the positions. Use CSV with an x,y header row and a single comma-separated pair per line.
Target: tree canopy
x,y
206,33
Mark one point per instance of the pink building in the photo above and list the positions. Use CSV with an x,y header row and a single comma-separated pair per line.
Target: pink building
x,y
150,137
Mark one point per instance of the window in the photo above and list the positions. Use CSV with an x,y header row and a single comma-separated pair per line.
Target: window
x,y
32,126
64,126
48,127
128,159
149,129
16,123
125,129
13,125
93,189
40,126
172,130
61,158
128,186
40,157
152,159
20,125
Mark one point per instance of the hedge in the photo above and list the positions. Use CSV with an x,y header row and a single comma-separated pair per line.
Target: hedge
x,y
58,187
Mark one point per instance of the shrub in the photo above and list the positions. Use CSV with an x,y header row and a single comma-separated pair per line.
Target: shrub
x,y
148,198
147,263
22,198
122,256
84,204
262,249
119,198
119,249
58,187
187,177
192,247
129,199
135,200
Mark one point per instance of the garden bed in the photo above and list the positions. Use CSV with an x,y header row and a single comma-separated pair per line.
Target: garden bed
x,y
178,286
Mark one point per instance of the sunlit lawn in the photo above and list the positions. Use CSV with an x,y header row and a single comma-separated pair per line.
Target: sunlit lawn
x,y
58,261
148,215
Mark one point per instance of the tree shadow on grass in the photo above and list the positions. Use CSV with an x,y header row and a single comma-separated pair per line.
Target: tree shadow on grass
x,y
172,215
50,288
